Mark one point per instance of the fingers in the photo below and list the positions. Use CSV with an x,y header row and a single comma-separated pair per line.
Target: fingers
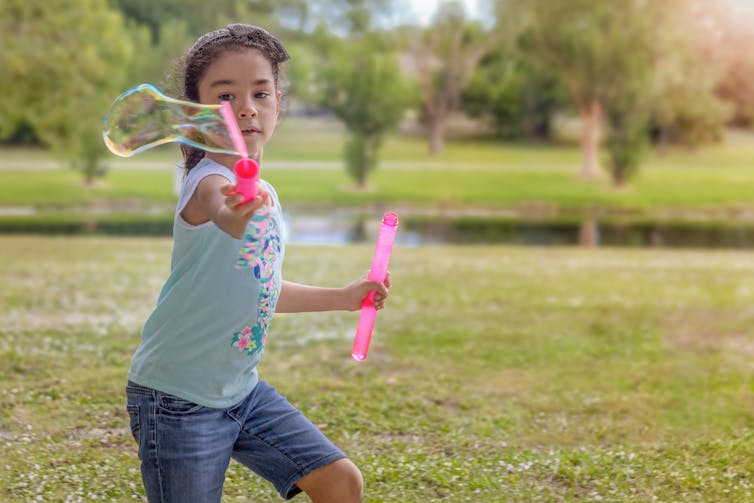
x,y
235,202
377,285
381,292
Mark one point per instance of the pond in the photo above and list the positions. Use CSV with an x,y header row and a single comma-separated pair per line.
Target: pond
x,y
345,226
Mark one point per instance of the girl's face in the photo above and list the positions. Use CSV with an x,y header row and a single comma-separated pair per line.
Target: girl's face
x,y
244,78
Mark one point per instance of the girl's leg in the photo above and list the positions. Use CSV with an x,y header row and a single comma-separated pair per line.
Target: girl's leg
x,y
184,448
339,481
280,444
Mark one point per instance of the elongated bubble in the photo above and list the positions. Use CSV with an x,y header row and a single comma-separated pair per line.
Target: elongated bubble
x,y
143,117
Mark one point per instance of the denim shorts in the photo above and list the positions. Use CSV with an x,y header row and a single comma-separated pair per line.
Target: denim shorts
x,y
185,448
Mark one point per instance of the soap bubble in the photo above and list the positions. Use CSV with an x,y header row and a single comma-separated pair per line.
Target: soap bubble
x,y
143,117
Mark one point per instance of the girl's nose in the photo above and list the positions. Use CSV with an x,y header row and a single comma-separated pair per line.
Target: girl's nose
x,y
247,109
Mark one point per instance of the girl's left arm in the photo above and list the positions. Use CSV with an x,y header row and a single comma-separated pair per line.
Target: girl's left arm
x,y
298,298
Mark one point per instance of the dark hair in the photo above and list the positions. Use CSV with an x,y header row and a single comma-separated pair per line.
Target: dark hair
x,y
204,51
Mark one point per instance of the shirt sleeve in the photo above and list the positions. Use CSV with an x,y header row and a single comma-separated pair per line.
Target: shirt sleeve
x,y
196,175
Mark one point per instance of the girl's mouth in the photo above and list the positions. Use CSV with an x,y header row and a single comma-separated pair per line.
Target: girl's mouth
x,y
249,132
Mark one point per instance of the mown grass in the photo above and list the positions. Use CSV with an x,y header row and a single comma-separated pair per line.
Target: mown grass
x,y
496,373
659,188
468,174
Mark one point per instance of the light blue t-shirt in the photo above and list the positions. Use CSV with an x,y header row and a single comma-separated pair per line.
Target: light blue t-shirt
x,y
206,335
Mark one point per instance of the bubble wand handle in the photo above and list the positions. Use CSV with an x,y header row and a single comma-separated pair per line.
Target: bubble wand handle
x,y
378,272
246,170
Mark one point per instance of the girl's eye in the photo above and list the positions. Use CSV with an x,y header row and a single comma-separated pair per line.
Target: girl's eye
x,y
226,97
262,95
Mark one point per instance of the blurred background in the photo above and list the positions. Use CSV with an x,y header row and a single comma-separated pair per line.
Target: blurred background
x,y
539,121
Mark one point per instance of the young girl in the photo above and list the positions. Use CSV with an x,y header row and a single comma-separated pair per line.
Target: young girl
x,y
194,396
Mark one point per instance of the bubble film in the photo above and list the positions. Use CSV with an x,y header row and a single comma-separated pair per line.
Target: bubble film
x,y
142,118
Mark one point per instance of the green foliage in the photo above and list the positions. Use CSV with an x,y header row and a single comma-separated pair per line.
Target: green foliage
x,y
605,54
518,97
444,57
157,62
627,125
64,68
649,60
685,107
201,16
365,89
570,36
301,74
625,92
151,14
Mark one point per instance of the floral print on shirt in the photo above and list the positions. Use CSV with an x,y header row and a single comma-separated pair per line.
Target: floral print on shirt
x,y
260,251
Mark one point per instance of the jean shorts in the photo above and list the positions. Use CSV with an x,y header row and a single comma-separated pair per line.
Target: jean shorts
x,y
185,448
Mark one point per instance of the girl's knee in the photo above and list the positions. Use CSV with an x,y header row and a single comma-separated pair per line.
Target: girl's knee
x,y
338,481
352,478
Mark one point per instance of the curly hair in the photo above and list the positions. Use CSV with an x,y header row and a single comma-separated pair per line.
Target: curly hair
x,y
204,51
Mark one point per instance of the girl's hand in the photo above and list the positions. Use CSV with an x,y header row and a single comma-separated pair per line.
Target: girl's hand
x,y
216,200
356,291
233,201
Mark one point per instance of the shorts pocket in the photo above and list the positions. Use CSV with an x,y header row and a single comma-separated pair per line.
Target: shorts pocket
x,y
133,413
177,406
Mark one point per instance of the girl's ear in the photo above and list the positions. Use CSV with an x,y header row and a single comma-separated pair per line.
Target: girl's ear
x,y
278,98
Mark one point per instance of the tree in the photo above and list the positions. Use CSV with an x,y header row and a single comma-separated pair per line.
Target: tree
x,y
365,89
356,76
567,39
625,93
61,69
691,62
444,58
158,61
150,13
519,97
626,61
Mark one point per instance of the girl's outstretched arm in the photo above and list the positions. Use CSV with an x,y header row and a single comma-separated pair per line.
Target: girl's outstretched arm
x,y
298,298
216,200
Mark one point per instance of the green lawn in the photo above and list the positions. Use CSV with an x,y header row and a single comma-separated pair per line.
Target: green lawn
x,y
469,174
495,374
659,188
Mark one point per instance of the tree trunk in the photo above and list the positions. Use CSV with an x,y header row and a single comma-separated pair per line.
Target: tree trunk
x,y
619,179
589,233
591,135
361,180
436,135
664,142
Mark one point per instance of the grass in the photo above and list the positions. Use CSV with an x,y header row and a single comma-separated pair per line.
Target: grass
x,y
496,373
660,188
468,174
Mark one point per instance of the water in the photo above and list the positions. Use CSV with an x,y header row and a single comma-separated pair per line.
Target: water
x,y
338,227
343,229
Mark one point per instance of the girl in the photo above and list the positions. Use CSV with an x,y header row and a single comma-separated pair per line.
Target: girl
x,y
194,396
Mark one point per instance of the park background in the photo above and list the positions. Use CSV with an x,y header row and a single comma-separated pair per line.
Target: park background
x,y
571,318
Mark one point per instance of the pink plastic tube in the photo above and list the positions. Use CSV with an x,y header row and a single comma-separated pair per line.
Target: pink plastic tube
x,y
377,272
246,170
247,176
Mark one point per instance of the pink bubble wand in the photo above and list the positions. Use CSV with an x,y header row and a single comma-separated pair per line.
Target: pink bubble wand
x,y
247,179
378,272
246,169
